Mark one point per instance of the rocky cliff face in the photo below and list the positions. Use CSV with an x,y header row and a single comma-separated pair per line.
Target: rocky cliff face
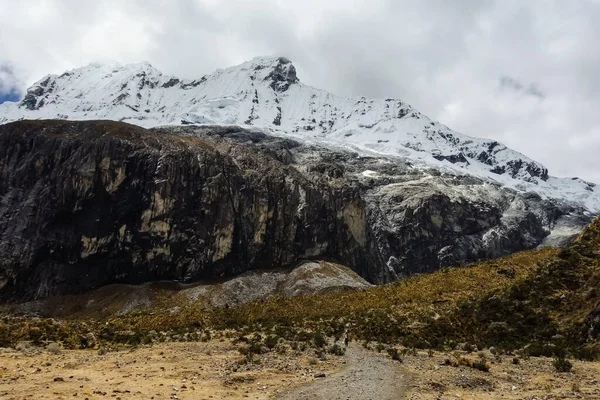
x,y
84,204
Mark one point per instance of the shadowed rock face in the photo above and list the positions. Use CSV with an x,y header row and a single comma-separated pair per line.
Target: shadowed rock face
x,y
85,204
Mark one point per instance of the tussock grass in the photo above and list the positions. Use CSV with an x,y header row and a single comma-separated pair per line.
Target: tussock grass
x,y
428,293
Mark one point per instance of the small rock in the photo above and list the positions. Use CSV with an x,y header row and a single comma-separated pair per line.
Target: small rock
x,y
91,339
320,375
58,379
53,348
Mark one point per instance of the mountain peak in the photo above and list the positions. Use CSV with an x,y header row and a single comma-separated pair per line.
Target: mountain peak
x,y
280,72
266,93
52,89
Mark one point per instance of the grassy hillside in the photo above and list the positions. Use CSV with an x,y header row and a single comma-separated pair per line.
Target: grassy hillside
x,y
538,298
391,312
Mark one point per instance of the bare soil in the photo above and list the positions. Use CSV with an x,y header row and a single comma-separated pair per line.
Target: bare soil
x,y
216,370
165,371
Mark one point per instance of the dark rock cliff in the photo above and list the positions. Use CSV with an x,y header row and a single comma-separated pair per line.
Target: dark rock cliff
x,y
84,204
89,203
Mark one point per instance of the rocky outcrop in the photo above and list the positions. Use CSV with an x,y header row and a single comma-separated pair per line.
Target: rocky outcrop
x,y
302,279
85,204
592,324
282,75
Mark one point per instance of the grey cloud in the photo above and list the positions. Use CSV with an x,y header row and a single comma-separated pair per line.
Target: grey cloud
x,y
9,83
506,82
447,59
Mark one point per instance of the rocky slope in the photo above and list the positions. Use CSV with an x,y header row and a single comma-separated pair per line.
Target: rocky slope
x,y
266,93
304,278
85,204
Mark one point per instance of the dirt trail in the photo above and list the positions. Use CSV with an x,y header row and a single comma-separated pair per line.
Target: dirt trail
x,y
367,375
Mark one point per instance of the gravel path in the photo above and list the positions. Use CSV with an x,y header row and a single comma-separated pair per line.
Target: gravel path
x,y
367,376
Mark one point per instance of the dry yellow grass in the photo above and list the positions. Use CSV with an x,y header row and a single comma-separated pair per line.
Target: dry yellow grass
x,y
413,300
534,378
428,293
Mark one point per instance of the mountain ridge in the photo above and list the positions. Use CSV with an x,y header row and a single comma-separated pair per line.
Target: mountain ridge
x,y
265,93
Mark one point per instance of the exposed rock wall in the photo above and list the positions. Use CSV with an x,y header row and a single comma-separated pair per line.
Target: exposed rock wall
x,y
84,204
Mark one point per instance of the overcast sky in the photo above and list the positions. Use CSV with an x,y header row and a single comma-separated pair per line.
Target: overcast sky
x,y
526,73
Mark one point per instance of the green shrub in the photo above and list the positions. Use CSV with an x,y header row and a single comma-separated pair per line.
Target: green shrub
x,y
408,351
319,339
255,347
394,354
561,364
538,349
271,341
481,365
337,350
586,353
304,336
321,354
35,335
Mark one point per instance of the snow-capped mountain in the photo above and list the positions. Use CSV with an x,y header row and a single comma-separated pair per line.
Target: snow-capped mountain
x,y
265,93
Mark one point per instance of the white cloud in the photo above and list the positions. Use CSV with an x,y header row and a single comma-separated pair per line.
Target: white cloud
x,y
445,58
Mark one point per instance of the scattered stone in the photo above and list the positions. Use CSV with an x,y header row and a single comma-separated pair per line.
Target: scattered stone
x,y
91,339
53,348
23,346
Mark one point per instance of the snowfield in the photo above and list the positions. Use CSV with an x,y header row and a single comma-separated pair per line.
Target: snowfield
x,y
265,94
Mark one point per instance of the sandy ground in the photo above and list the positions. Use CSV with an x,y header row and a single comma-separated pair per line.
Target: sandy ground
x,y
211,371
166,371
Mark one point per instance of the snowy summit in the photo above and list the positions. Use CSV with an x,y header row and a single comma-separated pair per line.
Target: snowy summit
x,y
266,93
